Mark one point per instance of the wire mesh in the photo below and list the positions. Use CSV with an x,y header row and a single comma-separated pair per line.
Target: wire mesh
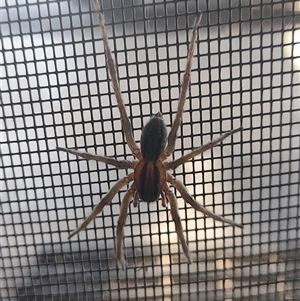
x,y
56,92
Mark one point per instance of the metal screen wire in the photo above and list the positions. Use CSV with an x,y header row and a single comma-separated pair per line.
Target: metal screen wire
x,y
55,91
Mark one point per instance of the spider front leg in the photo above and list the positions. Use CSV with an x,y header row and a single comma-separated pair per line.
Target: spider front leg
x,y
197,206
121,222
106,200
176,218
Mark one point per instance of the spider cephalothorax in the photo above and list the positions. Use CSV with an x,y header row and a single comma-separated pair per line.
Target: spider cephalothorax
x,y
150,171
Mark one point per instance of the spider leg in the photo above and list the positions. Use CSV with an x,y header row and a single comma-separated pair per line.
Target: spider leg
x,y
174,164
197,206
176,218
121,164
107,199
114,77
121,222
184,87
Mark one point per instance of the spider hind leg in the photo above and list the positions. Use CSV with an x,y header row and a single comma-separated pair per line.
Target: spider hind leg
x,y
126,125
183,92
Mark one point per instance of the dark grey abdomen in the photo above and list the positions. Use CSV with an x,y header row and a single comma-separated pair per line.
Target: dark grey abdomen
x,y
153,139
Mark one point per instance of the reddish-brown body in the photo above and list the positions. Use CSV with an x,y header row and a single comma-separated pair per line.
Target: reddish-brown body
x,y
150,171
149,178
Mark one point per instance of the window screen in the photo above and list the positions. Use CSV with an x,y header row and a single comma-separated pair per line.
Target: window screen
x,y
56,91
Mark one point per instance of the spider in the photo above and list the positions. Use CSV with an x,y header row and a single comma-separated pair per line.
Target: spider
x,y
150,176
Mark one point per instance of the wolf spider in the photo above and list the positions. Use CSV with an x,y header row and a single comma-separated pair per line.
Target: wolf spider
x,y
150,170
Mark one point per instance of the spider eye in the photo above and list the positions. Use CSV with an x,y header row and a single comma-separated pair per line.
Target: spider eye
x,y
154,137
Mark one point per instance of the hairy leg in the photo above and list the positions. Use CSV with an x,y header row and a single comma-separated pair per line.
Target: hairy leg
x,y
176,218
114,78
174,164
121,164
107,199
182,97
197,206
121,222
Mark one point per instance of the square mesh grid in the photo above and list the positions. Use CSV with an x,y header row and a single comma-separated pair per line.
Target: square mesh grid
x,y
56,91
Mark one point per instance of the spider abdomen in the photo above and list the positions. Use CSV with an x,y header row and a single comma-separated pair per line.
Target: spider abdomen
x,y
149,178
154,137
